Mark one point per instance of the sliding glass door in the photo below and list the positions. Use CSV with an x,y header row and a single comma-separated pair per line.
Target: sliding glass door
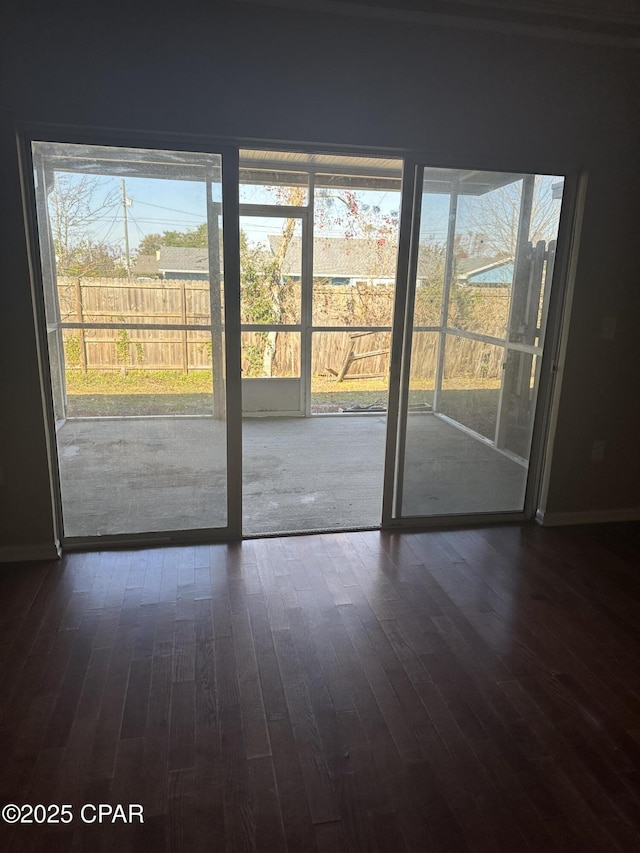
x,y
336,309
319,244
132,257
482,259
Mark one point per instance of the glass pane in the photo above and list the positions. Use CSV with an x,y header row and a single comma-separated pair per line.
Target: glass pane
x,y
270,354
487,246
270,270
273,186
303,474
354,251
349,371
129,239
471,384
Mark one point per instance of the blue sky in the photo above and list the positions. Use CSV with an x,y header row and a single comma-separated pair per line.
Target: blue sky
x,y
158,205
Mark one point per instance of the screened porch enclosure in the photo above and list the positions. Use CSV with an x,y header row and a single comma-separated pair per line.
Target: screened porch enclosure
x,y
138,350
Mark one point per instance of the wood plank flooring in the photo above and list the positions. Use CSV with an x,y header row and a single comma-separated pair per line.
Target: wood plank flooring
x,y
466,690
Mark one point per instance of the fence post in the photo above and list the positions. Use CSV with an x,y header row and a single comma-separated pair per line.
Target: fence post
x,y
185,344
79,315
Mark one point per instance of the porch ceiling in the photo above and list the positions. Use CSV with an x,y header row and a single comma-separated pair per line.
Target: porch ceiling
x,y
272,168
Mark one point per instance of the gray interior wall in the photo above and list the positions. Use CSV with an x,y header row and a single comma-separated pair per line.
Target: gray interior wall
x,y
468,98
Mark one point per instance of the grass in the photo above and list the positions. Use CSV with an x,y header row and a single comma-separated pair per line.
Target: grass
x,y
169,392
138,382
110,393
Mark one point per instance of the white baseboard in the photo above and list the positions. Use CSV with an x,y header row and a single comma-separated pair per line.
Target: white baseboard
x,y
27,553
596,516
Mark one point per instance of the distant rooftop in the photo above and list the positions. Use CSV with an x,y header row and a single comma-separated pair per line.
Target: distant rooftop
x,y
333,257
341,257
486,271
180,259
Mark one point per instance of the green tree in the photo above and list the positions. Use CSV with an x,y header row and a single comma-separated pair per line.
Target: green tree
x,y
267,294
192,238
149,244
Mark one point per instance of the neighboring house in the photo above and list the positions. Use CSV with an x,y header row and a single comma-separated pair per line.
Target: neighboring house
x,y
176,262
345,260
173,262
336,260
342,260
485,272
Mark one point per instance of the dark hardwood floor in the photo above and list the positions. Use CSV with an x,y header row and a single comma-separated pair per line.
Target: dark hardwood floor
x,y
474,690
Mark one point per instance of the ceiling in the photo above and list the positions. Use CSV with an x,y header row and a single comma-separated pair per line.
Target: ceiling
x,y
615,22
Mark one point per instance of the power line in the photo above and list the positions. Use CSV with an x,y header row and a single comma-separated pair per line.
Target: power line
x,y
173,222
114,222
172,209
135,222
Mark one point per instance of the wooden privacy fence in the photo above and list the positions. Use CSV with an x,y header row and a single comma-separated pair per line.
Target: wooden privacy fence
x,y
107,300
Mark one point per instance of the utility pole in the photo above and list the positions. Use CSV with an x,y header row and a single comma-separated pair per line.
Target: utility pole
x,y
125,203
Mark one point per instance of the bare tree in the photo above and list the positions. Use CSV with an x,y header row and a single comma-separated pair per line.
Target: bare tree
x,y
76,203
493,218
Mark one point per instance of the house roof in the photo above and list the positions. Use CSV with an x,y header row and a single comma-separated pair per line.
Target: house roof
x,y
351,257
341,257
180,259
336,257
145,265
502,274
485,270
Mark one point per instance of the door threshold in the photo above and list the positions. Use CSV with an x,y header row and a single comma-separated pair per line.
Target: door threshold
x,y
314,532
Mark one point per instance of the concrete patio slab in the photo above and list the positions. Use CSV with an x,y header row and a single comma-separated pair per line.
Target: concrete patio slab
x,y
135,475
